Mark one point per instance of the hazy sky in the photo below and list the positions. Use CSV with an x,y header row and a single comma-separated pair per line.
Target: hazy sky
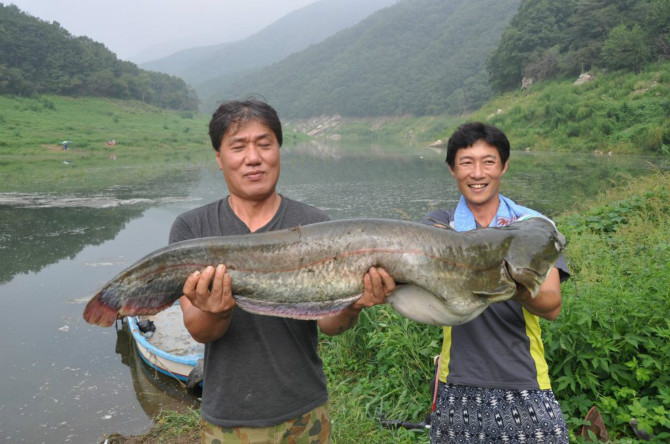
x,y
129,27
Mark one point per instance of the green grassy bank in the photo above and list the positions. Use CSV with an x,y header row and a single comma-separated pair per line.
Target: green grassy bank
x,y
614,112
134,140
620,112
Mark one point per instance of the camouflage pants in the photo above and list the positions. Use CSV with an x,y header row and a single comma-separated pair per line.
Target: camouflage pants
x,y
311,428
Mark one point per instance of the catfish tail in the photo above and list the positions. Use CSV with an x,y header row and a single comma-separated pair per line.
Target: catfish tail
x,y
99,313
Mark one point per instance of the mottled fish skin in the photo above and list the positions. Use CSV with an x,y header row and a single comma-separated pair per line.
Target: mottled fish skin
x,y
312,271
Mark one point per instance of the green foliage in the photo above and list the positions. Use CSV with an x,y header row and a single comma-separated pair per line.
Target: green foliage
x,y
380,370
37,57
626,49
585,35
209,67
620,112
145,137
610,346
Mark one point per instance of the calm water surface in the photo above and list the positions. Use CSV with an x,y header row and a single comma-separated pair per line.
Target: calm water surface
x,y
67,381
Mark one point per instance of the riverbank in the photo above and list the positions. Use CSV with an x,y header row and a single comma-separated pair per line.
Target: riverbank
x,y
135,140
171,427
613,114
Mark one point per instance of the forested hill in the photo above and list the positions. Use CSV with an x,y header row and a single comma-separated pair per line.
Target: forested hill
x,y
415,57
292,33
37,57
559,39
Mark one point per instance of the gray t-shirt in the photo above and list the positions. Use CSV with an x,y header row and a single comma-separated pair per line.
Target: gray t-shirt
x,y
265,370
501,348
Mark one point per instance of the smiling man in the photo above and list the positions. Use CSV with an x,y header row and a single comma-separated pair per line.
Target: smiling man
x,y
493,382
263,378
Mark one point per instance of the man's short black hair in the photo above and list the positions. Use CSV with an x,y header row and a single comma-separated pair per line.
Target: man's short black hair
x,y
236,112
467,134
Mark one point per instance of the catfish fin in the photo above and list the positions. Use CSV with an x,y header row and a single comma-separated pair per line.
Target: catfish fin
x,y
301,310
439,224
501,293
422,306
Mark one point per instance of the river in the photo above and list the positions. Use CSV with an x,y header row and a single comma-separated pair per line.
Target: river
x,y
67,381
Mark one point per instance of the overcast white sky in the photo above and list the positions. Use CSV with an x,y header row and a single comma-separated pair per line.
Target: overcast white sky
x,y
129,27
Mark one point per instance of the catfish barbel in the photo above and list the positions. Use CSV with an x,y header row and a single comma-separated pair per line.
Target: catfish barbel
x,y
445,277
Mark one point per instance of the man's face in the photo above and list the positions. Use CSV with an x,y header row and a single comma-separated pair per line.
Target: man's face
x,y
249,159
478,170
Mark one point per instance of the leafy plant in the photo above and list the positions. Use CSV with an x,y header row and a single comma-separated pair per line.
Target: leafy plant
x,y
610,345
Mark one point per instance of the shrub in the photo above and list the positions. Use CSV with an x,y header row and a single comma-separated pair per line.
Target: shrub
x,y
610,346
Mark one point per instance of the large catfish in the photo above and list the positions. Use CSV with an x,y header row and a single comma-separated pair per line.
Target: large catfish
x,y
316,270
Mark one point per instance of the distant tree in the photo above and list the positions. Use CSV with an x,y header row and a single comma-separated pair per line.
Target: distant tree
x,y
538,26
658,18
416,57
626,48
12,81
544,66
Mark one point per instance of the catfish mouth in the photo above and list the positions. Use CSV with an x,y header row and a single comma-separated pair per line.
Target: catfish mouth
x,y
529,279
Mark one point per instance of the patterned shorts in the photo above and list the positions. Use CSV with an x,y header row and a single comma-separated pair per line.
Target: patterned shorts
x,y
480,415
311,428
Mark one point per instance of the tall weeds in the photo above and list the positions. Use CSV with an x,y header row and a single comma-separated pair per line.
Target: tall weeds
x,y
610,346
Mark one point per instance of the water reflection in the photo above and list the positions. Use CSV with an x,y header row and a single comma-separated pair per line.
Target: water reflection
x,y
67,381
34,238
38,229
155,392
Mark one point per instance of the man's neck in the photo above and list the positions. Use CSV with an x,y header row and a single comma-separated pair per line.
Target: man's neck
x,y
255,214
484,214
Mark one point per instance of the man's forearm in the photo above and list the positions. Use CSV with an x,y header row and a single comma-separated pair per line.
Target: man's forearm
x,y
340,322
203,326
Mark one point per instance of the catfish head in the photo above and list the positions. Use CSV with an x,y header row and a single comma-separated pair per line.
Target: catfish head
x,y
535,248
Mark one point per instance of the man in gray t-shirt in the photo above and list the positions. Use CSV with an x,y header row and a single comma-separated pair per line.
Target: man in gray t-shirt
x,y
262,374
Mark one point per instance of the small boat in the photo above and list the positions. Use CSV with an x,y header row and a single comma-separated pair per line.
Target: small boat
x,y
166,346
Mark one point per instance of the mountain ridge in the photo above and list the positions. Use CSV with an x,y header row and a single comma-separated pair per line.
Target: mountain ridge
x,y
290,34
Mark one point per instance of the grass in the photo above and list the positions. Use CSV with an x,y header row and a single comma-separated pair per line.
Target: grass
x,y
619,112
610,346
149,142
170,428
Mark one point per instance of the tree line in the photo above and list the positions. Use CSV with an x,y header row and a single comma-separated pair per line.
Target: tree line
x,y
549,39
37,57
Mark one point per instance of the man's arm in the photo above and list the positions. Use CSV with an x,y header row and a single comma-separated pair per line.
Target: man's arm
x,y
547,303
207,313
377,284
